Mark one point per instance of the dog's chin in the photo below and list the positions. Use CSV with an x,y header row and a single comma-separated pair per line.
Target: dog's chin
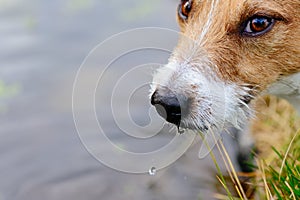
x,y
196,126
235,117
195,129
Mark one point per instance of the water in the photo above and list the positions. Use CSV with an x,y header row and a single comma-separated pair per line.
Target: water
x,y
152,171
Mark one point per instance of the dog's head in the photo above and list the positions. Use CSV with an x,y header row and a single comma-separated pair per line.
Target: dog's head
x,y
229,52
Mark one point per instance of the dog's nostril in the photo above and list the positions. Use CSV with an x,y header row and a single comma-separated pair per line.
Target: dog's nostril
x,y
167,106
155,98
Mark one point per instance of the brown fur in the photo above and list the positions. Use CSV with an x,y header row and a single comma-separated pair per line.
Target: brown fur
x,y
257,61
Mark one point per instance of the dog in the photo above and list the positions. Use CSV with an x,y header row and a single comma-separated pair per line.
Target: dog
x,y
229,53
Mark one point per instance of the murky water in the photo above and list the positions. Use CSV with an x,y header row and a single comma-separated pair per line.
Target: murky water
x,y
43,43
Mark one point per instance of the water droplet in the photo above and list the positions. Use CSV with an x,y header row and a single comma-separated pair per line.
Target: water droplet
x,y
180,131
152,171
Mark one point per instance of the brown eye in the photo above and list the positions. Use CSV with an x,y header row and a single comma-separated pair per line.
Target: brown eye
x,y
258,26
184,9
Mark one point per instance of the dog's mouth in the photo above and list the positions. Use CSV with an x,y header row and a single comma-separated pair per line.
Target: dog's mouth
x,y
247,99
248,96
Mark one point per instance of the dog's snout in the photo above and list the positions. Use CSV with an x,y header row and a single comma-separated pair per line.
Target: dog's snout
x,y
167,105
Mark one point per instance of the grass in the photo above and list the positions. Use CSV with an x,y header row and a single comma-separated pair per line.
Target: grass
x,y
232,173
283,174
277,133
275,125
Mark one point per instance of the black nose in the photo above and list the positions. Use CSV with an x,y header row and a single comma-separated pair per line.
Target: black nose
x,y
167,106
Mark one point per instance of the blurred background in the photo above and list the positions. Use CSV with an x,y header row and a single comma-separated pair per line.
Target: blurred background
x,y
43,44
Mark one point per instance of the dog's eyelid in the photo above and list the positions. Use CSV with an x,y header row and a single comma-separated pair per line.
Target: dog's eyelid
x,y
272,15
267,13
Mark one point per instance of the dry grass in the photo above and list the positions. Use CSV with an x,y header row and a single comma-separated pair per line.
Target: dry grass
x,y
276,131
275,125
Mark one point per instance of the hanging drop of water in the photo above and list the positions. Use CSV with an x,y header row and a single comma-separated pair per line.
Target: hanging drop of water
x,y
180,131
152,171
